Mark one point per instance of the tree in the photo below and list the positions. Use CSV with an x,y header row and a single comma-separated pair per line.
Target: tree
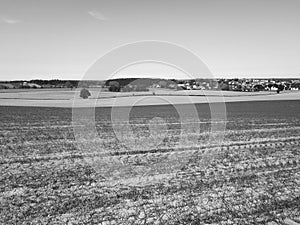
x,y
280,87
68,84
162,83
224,87
84,93
114,86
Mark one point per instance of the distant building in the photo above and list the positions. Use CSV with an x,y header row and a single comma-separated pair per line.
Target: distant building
x,y
31,85
48,86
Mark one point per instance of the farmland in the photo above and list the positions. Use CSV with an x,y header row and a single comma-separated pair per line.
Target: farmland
x,y
255,178
65,97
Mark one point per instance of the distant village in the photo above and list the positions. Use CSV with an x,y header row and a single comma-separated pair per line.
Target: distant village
x,y
144,84
259,84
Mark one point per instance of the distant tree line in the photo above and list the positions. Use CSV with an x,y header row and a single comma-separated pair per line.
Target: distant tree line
x,y
136,84
56,82
143,84
43,83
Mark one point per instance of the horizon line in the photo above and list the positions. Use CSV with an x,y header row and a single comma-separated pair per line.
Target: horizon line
x,y
211,78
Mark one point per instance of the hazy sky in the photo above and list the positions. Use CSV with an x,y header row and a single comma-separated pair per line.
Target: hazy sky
x,y
62,38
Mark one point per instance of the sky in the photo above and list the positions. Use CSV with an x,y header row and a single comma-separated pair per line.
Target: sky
x,y
61,39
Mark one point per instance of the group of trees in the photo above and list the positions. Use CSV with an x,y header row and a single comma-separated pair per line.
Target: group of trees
x,y
127,85
55,82
137,84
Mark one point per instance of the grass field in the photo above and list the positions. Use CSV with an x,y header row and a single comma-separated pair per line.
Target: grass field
x,y
255,179
65,97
